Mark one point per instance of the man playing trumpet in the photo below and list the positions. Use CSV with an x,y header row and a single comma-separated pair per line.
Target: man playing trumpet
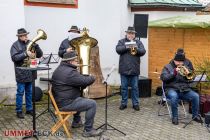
x,y
176,77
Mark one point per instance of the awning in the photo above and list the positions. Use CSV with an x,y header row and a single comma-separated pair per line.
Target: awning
x,y
200,21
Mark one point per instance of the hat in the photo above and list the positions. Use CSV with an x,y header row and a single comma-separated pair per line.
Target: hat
x,y
131,30
179,56
180,50
21,32
69,56
74,28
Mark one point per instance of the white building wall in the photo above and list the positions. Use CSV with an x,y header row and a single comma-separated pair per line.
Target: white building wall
x,y
104,23
12,17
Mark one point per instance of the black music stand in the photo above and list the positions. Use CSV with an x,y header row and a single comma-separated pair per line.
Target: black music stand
x,y
106,107
202,122
47,61
33,70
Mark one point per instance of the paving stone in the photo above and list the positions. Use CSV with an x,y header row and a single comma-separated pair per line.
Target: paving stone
x,y
138,125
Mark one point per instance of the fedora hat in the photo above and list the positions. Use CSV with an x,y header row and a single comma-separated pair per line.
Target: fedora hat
x,y
21,32
74,29
130,30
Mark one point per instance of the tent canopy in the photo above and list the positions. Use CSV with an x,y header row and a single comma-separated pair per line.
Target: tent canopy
x,y
201,21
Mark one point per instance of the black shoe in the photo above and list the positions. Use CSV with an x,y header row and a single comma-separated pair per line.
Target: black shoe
x,y
20,115
175,121
30,112
198,120
91,133
122,107
136,107
77,125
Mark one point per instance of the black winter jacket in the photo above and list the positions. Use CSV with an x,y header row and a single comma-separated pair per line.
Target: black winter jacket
x,y
67,83
18,54
129,64
176,81
64,45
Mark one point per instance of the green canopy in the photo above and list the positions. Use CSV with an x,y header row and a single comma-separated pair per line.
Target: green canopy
x,y
200,21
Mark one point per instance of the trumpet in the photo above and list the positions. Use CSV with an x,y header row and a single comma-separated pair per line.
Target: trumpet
x,y
183,72
132,46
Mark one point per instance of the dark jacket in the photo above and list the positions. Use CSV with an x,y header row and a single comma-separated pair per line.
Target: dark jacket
x,y
64,45
67,83
173,79
18,54
129,64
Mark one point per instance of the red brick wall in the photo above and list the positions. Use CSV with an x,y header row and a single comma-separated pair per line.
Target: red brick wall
x,y
163,43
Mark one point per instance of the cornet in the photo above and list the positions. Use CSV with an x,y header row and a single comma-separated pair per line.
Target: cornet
x,y
132,46
182,71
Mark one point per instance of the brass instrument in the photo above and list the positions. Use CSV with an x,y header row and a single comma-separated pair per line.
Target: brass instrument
x,y
182,72
132,46
133,51
40,35
83,47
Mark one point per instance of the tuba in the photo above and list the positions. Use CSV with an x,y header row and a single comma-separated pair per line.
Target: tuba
x,y
182,72
40,35
83,47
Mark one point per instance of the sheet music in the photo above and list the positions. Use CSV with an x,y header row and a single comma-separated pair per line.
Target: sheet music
x,y
198,78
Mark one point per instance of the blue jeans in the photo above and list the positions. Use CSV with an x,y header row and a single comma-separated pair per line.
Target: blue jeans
x,y
174,97
21,88
133,79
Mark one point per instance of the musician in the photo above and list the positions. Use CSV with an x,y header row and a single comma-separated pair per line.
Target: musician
x,y
178,86
24,78
129,67
67,84
74,32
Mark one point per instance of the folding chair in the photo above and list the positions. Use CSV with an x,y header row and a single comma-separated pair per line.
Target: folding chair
x,y
165,102
63,117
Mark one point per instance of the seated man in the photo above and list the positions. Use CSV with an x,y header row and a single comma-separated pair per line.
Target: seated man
x,y
177,85
67,84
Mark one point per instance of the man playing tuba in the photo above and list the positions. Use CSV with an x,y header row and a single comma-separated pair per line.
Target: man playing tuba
x,y
177,85
74,32
24,78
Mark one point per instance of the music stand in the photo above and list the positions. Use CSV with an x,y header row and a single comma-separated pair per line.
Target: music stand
x,y
33,70
202,122
106,107
47,61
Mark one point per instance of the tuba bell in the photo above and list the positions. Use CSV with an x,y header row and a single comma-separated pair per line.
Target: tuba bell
x,y
83,47
182,72
40,35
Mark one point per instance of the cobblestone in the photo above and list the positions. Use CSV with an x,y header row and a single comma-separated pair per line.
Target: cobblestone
x,y
138,125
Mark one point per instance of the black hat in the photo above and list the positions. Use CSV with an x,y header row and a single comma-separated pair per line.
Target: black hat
x,y
179,56
74,29
180,50
21,32
131,30
69,56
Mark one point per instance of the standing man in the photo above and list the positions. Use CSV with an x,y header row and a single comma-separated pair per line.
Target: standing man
x,y
24,78
67,84
129,67
74,32
178,86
